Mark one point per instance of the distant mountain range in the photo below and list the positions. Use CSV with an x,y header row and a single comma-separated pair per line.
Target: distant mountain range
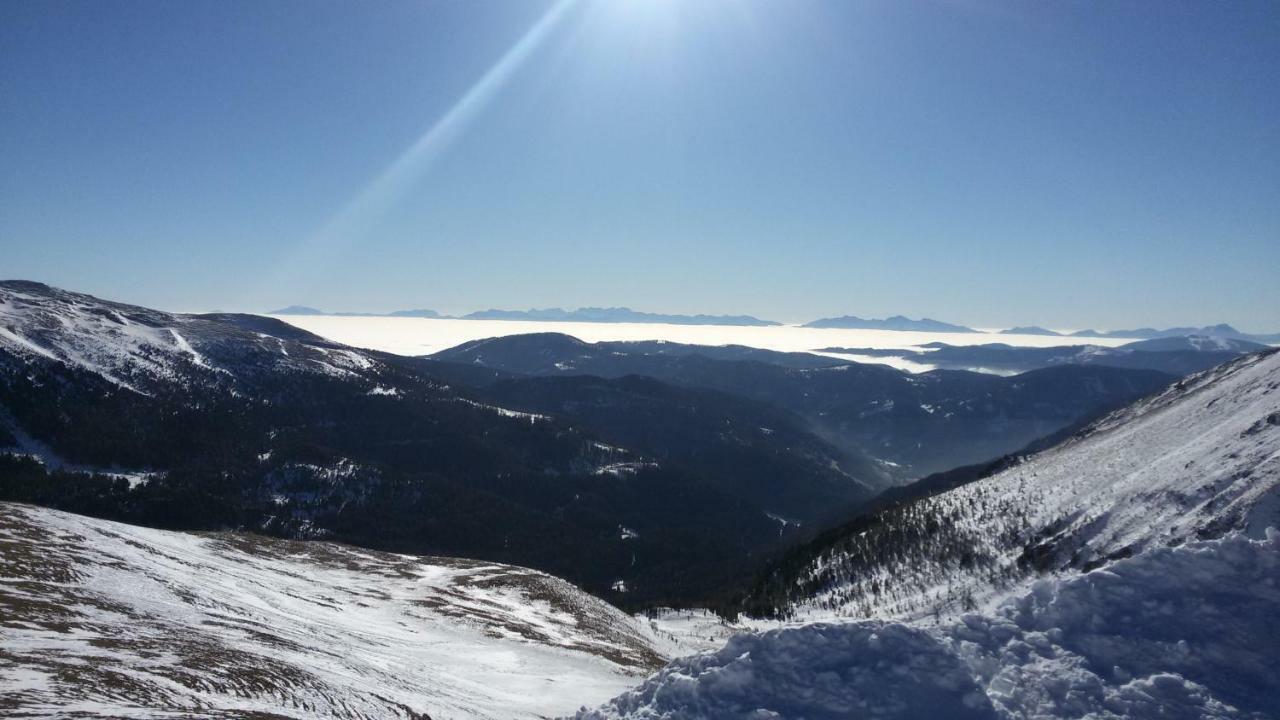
x,y
897,322
845,322
615,315
1175,355
586,314
304,310
1221,330
1030,330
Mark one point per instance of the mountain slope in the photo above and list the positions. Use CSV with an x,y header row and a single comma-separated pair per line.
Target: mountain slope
x,y
1158,523
109,620
1198,460
913,424
233,421
759,451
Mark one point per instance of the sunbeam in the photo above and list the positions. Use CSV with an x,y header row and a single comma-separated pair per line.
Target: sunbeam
x,y
358,216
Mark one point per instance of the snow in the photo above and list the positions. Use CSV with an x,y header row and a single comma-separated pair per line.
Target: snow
x,y
24,344
185,347
1200,459
1169,625
620,469
782,521
40,452
137,348
531,418
678,632
1187,632
120,621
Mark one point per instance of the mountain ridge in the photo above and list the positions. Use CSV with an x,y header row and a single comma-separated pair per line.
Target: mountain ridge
x,y
896,323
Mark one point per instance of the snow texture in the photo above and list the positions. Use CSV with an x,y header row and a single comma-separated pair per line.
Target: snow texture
x,y
101,619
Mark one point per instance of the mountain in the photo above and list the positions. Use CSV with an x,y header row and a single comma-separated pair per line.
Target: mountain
x,y
1030,330
1174,355
1196,343
1175,632
1199,460
743,447
614,315
1222,330
112,620
897,322
552,353
1128,572
297,310
222,421
910,425
414,313
304,310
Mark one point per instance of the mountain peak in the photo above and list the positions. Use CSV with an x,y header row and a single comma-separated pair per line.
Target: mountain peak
x,y
296,310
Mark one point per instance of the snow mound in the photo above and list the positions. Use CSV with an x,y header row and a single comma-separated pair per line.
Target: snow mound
x,y
873,670
1186,632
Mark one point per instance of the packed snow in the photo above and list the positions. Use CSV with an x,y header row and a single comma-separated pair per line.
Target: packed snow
x,y
109,620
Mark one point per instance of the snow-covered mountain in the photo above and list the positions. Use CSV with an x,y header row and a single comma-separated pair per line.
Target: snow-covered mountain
x,y
243,422
1196,461
101,619
1132,571
139,349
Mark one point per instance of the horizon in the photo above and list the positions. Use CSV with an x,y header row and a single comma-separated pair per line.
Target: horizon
x,y
1064,331
1068,166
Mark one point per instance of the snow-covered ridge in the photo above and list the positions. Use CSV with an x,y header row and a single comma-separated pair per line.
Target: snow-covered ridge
x,y
135,348
1196,461
120,621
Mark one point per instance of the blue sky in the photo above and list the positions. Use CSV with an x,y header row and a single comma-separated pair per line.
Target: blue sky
x,y
1074,164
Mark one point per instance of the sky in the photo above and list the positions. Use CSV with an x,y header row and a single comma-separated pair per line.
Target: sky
x,y
1074,164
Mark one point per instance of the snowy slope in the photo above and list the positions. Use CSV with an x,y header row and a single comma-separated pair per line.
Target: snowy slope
x,y
1130,572
138,348
1174,633
113,620
1196,461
